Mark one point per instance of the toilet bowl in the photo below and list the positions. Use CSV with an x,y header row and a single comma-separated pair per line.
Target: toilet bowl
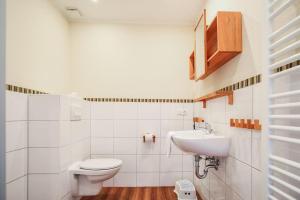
x,y
87,176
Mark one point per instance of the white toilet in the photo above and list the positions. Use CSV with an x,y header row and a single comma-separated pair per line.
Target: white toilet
x,y
87,176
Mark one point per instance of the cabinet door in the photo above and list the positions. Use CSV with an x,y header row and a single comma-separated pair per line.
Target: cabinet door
x,y
200,47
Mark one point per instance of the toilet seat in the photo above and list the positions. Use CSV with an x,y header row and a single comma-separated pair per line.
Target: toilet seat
x,y
100,164
87,177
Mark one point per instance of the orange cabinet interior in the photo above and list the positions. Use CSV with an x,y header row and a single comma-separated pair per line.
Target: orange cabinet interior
x,y
192,66
223,40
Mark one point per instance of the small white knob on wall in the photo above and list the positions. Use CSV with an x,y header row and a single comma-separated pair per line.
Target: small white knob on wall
x,y
76,113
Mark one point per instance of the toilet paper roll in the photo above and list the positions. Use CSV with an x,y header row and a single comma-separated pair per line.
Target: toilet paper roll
x,y
148,137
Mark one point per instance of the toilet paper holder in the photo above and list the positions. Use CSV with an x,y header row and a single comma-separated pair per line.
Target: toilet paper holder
x,y
153,138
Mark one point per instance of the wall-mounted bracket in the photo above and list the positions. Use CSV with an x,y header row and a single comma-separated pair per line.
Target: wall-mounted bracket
x,y
215,95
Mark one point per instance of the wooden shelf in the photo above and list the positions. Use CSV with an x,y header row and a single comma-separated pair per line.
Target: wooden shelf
x,y
224,40
192,66
215,95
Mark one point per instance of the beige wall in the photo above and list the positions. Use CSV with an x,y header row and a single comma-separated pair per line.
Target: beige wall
x,y
114,60
250,61
37,46
45,52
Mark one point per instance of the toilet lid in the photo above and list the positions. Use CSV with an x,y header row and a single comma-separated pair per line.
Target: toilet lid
x,y
100,164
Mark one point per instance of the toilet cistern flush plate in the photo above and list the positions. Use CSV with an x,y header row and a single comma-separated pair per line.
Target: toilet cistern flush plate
x,y
198,142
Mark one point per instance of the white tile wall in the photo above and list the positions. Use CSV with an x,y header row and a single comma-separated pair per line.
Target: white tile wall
x,y
102,146
16,145
102,110
149,111
188,175
16,135
43,186
148,126
230,194
187,163
217,188
44,134
148,148
149,163
125,128
257,185
102,128
16,106
54,143
256,149
171,164
125,111
171,110
164,148
17,190
148,179
44,107
125,145
43,160
125,180
116,130
119,135
240,147
239,175
169,178
129,162
16,165
170,125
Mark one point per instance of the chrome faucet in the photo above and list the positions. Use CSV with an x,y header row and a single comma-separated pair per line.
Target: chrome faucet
x,y
204,125
208,127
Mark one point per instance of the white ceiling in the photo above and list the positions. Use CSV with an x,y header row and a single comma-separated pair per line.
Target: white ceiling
x,y
180,12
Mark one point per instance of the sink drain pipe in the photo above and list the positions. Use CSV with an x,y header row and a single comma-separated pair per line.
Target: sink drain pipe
x,y
210,162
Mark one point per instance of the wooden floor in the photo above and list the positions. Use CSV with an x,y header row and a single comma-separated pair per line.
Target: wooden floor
x,y
135,193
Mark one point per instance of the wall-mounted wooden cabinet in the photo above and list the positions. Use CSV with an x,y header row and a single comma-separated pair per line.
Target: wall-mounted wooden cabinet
x,y
192,66
222,41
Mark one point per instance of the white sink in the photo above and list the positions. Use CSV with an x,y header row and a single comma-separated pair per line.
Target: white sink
x,y
198,142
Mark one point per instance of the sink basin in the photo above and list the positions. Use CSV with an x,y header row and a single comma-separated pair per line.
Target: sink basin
x,y
198,142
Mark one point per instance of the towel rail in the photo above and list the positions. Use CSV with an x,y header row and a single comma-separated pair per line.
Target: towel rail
x,y
286,173
285,128
281,9
284,28
285,61
286,72
285,50
284,39
284,117
285,139
280,192
283,46
285,94
285,161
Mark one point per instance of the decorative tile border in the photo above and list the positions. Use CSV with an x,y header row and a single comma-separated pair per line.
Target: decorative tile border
x,y
14,88
242,84
239,85
139,100
257,79
288,66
